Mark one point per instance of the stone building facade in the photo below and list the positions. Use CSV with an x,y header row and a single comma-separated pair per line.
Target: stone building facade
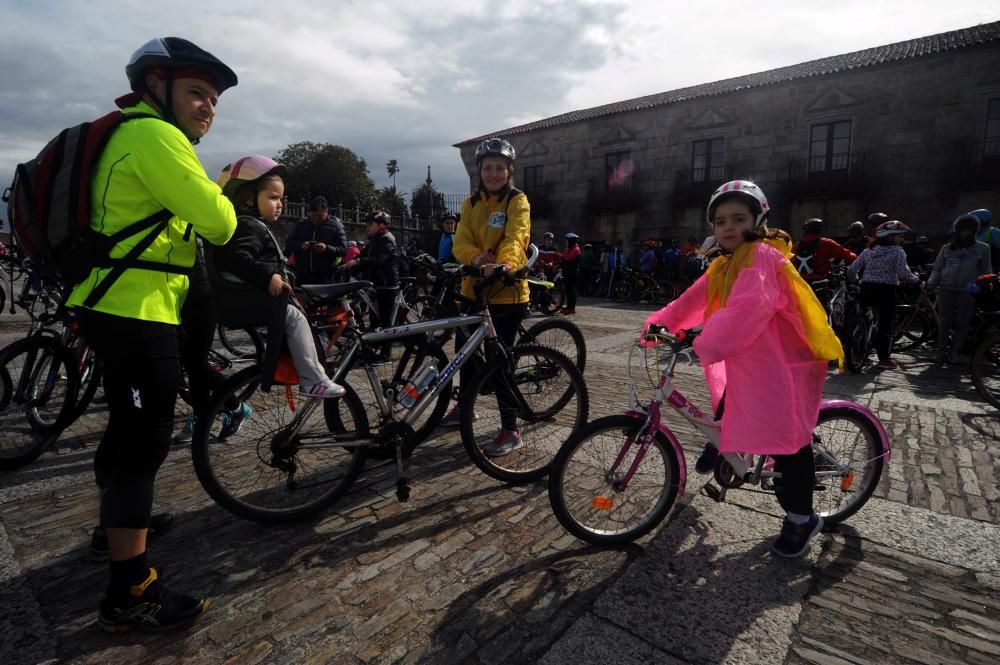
x,y
911,128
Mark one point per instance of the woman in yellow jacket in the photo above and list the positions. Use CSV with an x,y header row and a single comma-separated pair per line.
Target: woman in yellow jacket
x,y
493,235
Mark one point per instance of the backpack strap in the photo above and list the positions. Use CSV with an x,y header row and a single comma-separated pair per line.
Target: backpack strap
x,y
158,223
511,193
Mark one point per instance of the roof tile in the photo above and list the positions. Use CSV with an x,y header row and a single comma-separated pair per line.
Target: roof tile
x,y
922,46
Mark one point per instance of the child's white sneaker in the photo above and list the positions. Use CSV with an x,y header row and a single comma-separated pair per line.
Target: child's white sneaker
x,y
326,390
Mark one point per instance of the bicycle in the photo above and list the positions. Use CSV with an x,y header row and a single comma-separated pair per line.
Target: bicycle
x,y
616,478
860,323
303,456
985,368
639,286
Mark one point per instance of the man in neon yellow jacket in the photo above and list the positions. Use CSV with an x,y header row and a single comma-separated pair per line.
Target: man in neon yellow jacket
x,y
148,166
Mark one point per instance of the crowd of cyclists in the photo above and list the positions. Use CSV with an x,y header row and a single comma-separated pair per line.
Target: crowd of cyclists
x,y
220,230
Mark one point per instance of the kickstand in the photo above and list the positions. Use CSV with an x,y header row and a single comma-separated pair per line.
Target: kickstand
x,y
402,487
715,493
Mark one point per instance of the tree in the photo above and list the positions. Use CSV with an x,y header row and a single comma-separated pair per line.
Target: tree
x,y
392,168
426,202
391,201
324,169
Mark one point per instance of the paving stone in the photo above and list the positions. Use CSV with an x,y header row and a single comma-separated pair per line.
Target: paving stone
x,y
473,571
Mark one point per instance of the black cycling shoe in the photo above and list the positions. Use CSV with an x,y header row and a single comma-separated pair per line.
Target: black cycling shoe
x,y
99,549
151,607
706,461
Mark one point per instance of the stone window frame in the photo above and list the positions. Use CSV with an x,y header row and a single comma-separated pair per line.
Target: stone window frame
x,y
710,166
618,157
991,135
829,153
531,182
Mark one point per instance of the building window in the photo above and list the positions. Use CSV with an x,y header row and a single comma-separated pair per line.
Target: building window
x,y
830,147
991,147
707,160
534,178
618,169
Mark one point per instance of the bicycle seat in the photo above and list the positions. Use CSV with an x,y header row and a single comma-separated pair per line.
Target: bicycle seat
x,y
407,280
322,294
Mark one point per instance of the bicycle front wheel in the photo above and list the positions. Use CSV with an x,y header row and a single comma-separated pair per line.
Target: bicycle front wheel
x,y
849,461
38,387
278,466
986,369
559,334
586,490
540,394
662,292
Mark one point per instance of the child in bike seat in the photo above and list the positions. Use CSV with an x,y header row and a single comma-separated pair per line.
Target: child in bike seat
x,y
765,347
256,185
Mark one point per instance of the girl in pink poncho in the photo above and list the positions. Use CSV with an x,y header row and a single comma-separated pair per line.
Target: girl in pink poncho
x,y
765,346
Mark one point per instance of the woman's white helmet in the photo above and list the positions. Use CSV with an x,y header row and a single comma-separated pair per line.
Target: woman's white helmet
x,y
745,191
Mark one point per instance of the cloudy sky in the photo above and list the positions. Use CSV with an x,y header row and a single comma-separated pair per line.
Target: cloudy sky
x,y
406,80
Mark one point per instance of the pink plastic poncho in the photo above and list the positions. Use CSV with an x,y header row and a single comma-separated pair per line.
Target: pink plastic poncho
x,y
755,351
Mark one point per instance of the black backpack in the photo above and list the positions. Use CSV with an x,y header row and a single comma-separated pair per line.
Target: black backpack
x,y
48,205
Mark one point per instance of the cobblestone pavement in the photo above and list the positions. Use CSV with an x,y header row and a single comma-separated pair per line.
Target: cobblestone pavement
x,y
474,571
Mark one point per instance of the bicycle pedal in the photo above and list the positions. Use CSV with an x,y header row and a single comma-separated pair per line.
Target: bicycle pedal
x,y
714,493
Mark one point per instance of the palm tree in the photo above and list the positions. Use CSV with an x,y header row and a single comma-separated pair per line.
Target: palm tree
x,y
392,168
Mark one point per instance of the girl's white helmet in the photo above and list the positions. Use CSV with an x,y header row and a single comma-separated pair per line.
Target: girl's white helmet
x,y
247,169
744,190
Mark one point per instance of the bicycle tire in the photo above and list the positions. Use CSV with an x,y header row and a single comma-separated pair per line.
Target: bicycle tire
x,y
213,457
242,350
551,420
54,387
857,347
852,440
568,340
583,497
91,375
24,436
662,293
986,369
912,328
622,290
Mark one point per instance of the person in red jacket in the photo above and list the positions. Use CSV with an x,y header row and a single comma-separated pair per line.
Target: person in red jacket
x,y
813,254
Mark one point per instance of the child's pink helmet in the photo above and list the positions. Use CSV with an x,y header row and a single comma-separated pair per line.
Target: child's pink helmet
x,y
246,170
743,190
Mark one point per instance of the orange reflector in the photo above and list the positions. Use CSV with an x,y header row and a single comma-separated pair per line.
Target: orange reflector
x,y
602,503
290,396
847,481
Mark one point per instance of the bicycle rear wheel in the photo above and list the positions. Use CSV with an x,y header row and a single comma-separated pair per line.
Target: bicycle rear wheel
x,y
583,490
857,350
986,369
559,334
269,470
242,344
547,399
849,461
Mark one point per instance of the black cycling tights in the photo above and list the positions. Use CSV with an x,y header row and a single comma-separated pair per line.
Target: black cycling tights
x,y
140,383
798,479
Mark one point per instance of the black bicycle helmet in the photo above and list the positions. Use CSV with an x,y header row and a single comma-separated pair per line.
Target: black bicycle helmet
x,y
495,147
377,216
174,53
813,225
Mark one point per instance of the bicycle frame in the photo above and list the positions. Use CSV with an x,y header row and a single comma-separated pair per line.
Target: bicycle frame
x,y
711,430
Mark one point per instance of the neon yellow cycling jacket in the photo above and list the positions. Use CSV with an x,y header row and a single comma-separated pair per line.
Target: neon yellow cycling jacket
x,y
149,165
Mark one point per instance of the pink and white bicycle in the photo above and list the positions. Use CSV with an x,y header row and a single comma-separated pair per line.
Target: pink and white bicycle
x,y
615,479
